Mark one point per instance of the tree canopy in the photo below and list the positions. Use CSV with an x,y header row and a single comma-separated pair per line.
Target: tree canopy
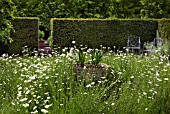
x,y
6,13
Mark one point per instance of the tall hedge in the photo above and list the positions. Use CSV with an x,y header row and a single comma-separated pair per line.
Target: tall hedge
x,y
25,34
96,32
164,28
164,31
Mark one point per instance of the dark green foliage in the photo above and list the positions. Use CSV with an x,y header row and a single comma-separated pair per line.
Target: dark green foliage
x,y
3,48
6,13
93,32
81,57
96,57
154,8
40,35
164,28
164,31
26,34
46,9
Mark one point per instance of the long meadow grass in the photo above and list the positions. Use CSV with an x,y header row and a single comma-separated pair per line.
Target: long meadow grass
x,y
137,84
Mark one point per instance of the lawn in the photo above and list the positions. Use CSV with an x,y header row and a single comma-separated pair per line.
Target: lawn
x,y
137,84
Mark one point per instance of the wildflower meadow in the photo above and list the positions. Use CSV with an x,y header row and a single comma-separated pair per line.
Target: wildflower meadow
x,y
136,84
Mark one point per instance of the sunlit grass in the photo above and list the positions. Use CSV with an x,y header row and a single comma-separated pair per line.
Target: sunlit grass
x,y
137,84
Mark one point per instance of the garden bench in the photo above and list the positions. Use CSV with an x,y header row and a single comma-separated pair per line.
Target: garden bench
x,y
134,43
153,47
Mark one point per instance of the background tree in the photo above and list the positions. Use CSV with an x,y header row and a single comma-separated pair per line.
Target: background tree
x,y
6,13
155,8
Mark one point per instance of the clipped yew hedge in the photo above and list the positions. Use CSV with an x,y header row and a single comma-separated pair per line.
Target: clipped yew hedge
x,y
96,32
25,34
164,28
164,31
91,32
